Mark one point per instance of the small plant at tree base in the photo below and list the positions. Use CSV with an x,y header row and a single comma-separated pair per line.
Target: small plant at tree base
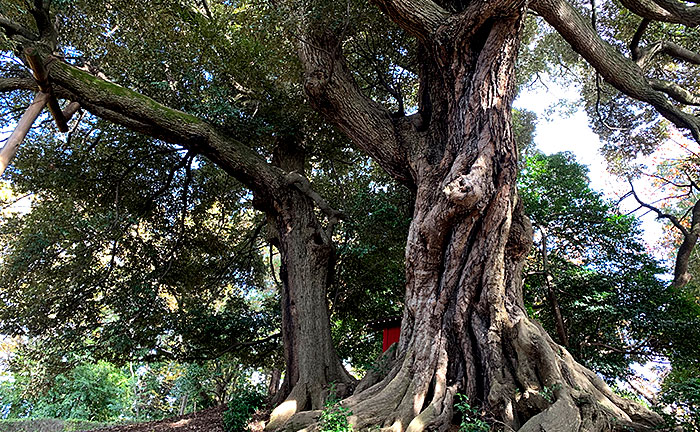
x,y
471,421
334,417
548,392
240,409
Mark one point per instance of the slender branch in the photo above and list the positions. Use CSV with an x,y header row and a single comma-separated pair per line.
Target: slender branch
x,y
659,213
9,151
634,44
303,184
681,276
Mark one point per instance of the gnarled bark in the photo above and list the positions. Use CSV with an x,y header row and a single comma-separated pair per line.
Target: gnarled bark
x,y
465,329
307,263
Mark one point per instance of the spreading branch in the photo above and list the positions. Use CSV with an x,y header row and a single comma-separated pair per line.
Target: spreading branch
x,y
681,276
621,72
303,184
333,91
637,38
143,114
670,11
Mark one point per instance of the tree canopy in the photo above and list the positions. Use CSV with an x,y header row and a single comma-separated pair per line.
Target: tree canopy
x,y
215,195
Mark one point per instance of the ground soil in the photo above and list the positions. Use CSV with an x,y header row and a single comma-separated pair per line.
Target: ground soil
x,y
209,420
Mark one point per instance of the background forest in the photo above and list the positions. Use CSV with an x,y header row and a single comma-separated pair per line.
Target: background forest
x,y
139,280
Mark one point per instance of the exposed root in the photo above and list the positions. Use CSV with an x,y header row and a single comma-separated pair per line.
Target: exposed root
x,y
383,367
547,392
302,406
533,385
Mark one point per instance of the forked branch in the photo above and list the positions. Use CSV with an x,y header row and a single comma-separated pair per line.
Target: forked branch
x,y
621,72
681,276
303,184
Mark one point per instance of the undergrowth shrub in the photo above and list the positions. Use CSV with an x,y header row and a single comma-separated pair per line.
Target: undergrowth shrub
x,y
334,417
240,410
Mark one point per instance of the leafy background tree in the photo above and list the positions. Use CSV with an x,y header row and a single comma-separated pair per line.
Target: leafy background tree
x,y
615,307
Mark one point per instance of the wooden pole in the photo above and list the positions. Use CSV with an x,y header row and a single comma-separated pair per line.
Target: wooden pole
x,y
8,152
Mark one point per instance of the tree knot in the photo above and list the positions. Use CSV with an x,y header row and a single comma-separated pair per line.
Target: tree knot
x,y
467,190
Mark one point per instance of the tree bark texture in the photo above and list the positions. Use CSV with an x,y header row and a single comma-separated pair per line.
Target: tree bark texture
x,y
307,262
465,329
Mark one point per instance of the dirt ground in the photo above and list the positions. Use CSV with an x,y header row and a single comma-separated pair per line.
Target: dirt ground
x,y
208,420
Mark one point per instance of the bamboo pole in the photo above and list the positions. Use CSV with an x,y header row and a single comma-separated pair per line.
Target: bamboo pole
x,y
8,152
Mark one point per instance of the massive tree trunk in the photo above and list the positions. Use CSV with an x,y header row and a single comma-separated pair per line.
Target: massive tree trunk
x,y
307,263
465,329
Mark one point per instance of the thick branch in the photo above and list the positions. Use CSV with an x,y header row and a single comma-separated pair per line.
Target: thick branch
x,y
10,84
42,78
42,17
681,276
143,114
675,91
621,72
670,11
333,91
11,28
421,18
669,48
634,44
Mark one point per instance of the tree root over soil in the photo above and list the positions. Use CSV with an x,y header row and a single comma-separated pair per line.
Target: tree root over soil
x,y
540,389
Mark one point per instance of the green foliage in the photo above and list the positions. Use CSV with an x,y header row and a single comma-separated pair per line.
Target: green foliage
x,y
615,308
49,425
94,392
334,417
134,262
681,393
547,392
471,420
370,278
240,409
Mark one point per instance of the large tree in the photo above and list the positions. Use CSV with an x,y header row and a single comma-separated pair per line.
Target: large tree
x,y
243,131
465,329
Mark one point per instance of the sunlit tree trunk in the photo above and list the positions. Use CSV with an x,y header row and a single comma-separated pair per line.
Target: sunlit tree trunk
x,y
465,329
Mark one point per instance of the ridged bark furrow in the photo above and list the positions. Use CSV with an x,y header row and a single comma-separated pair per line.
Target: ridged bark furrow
x,y
465,329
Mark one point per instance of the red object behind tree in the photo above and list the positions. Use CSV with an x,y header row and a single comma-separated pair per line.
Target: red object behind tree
x,y
391,329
